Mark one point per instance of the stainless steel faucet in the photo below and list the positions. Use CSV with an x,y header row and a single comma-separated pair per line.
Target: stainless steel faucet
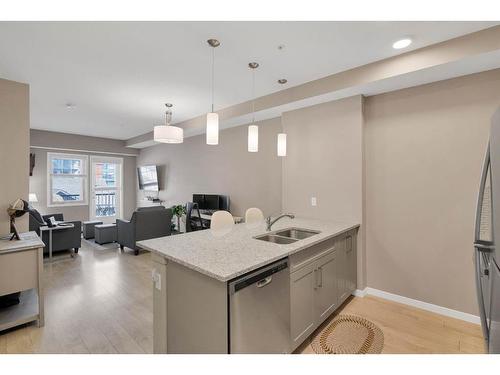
x,y
270,222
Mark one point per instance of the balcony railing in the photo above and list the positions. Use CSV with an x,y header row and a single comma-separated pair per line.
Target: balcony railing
x,y
105,204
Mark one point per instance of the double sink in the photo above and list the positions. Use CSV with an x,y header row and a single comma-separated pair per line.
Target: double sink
x,y
287,236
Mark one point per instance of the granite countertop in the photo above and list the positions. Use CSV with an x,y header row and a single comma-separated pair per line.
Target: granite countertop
x,y
224,256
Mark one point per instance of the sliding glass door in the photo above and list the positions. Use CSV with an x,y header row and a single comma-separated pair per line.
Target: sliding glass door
x,y
106,188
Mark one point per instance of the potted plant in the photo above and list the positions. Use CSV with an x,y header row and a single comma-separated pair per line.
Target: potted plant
x,y
178,211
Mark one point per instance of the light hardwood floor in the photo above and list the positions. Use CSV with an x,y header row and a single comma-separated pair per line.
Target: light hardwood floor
x,y
408,330
98,302
101,302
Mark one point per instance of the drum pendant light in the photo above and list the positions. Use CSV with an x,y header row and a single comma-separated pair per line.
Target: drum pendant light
x,y
168,133
212,117
253,130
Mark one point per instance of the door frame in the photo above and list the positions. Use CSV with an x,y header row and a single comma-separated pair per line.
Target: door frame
x,y
104,159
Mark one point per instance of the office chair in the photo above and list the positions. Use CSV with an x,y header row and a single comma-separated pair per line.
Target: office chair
x,y
193,222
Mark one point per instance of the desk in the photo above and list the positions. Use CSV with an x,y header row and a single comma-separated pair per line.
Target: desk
x,y
205,218
21,270
237,219
50,230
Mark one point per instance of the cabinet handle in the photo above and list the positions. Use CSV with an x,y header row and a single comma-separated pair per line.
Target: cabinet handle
x,y
315,278
348,242
320,277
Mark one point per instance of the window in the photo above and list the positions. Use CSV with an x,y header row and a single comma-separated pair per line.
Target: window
x,y
105,188
67,180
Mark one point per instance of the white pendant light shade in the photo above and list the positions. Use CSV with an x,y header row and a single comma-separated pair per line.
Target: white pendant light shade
x,y
212,128
253,138
168,134
281,144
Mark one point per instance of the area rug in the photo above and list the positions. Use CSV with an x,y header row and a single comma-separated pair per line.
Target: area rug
x,y
349,334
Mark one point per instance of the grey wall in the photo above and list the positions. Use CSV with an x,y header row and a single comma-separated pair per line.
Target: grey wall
x,y
324,160
60,142
14,149
424,151
250,179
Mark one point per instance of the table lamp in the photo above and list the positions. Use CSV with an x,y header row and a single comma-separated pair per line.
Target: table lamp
x,y
32,198
16,209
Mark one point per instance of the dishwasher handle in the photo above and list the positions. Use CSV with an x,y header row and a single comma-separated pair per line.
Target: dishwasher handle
x,y
262,283
260,278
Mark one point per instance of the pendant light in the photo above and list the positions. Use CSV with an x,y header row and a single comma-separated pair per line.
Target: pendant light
x,y
168,133
212,117
281,144
253,130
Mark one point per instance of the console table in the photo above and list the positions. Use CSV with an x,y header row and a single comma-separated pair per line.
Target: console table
x,y
21,270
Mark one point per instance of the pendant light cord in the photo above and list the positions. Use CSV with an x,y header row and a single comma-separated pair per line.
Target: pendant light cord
x,y
213,76
253,96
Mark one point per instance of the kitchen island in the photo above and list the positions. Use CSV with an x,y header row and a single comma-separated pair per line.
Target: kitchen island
x,y
194,276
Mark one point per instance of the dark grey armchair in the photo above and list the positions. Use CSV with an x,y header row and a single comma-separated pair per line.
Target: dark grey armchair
x,y
62,239
146,223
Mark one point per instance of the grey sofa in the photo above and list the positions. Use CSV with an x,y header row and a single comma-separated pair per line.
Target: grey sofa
x,y
146,223
62,239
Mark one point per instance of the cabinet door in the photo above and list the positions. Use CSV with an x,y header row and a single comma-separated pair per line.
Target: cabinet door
x,y
342,272
351,266
302,318
325,296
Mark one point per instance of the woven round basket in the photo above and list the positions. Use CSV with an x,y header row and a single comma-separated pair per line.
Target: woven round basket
x,y
349,334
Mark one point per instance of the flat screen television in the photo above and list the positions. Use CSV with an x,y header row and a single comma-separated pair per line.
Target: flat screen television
x,y
148,178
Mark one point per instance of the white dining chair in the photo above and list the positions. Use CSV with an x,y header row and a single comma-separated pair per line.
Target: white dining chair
x,y
221,221
254,215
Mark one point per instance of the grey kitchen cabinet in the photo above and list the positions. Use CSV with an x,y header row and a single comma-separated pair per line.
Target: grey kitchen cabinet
x,y
351,262
321,278
347,272
313,293
325,296
302,319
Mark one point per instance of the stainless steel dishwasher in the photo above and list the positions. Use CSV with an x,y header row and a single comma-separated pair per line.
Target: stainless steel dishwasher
x,y
259,316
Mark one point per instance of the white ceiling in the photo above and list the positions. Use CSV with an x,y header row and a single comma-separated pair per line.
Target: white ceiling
x,y
119,74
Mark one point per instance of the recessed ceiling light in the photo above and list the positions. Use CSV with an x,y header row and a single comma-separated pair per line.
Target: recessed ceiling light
x,y
70,106
402,43
282,81
281,47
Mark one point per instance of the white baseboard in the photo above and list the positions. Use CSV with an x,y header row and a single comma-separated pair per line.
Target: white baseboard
x,y
419,304
359,292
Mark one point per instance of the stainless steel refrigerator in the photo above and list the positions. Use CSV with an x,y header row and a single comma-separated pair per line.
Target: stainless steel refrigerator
x,y
486,252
